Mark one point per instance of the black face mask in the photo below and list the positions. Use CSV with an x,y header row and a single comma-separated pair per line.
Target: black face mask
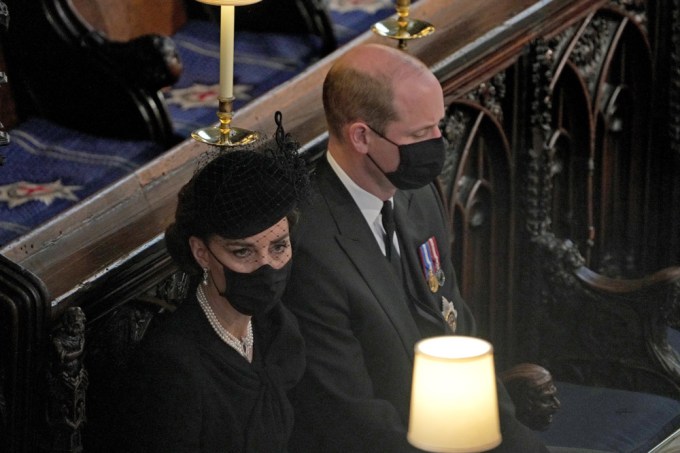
x,y
419,163
255,293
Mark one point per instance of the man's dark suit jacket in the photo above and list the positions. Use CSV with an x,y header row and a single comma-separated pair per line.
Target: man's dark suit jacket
x,y
360,322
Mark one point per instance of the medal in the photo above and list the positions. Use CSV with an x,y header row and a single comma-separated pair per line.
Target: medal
x,y
449,313
433,282
432,269
438,271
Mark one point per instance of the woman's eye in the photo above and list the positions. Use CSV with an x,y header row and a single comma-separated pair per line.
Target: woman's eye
x,y
281,247
241,253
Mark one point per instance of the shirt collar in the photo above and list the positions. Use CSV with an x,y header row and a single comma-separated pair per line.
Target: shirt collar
x,y
369,204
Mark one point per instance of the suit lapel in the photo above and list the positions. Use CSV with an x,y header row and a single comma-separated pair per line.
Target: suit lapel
x,y
412,229
357,241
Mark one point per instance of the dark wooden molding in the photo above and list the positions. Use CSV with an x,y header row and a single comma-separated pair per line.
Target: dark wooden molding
x,y
24,321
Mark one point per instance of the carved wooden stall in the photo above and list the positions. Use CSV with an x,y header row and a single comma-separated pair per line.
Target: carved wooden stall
x,y
562,172
566,153
601,182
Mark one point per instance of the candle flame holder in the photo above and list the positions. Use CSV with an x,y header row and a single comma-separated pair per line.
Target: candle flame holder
x,y
224,134
403,28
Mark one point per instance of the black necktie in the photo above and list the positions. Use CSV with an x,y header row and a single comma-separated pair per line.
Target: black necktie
x,y
389,225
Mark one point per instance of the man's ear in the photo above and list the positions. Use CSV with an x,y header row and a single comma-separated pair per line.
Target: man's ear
x,y
200,251
358,136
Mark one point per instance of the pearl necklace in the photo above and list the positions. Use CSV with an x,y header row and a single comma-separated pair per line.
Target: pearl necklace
x,y
244,346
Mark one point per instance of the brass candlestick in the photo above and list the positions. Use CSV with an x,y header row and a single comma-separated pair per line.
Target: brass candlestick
x,y
225,134
403,28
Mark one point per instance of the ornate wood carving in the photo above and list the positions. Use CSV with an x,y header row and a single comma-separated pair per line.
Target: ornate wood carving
x,y
592,329
637,9
67,382
490,95
476,183
533,391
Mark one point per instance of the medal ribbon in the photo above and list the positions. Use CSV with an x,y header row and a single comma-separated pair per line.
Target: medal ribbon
x,y
432,242
426,259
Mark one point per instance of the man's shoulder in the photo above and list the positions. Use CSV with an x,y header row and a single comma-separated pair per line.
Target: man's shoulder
x,y
426,198
318,202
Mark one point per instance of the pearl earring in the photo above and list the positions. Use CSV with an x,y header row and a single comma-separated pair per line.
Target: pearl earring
x,y
205,276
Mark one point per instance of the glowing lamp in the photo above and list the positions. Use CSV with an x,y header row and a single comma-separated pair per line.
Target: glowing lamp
x,y
454,405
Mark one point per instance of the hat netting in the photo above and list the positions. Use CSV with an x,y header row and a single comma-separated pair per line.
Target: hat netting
x,y
243,192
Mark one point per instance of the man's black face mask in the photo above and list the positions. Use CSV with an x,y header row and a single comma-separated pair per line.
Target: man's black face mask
x,y
419,163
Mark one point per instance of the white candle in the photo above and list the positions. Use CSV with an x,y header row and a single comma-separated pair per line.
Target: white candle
x,y
227,52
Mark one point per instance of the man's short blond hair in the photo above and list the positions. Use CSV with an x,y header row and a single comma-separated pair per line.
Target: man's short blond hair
x,y
362,85
350,95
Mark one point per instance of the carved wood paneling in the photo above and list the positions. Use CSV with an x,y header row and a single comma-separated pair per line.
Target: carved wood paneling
x,y
67,384
601,140
477,183
592,205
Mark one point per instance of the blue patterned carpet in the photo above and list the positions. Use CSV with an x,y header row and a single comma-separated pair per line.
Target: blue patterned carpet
x,y
48,168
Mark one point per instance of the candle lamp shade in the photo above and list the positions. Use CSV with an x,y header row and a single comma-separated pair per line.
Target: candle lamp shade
x,y
229,2
454,404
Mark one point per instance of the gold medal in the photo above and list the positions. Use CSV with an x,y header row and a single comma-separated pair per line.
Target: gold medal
x,y
433,283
